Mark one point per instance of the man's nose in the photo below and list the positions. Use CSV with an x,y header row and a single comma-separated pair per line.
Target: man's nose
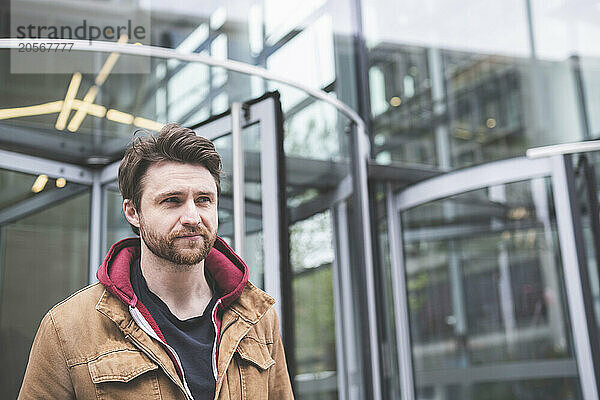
x,y
190,214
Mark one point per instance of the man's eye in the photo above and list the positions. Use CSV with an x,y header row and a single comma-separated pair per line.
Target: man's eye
x,y
171,200
203,199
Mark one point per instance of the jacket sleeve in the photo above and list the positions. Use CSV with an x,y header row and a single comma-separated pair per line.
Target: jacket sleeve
x,y
279,378
47,375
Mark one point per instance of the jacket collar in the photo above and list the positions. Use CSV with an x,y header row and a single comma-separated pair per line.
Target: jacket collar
x,y
227,268
252,304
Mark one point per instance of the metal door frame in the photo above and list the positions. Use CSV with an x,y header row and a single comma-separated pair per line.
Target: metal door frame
x,y
461,181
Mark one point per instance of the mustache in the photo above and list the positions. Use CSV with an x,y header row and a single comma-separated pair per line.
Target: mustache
x,y
200,230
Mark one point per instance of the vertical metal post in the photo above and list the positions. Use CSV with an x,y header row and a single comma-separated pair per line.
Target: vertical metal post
x,y
438,94
584,276
497,195
356,389
239,212
581,96
563,191
2,256
400,298
548,261
361,64
359,148
338,312
104,226
95,240
593,206
269,170
530,30
457,294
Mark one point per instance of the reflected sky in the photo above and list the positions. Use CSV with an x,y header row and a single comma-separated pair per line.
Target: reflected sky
x,y
561,28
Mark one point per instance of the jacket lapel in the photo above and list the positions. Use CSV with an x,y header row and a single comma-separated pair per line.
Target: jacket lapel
x,y
237,320
116,311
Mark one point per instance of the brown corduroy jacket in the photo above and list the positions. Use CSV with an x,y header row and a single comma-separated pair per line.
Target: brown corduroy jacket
x,y
100,344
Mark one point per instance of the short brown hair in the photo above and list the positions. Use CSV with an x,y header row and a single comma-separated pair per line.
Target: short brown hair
x,y
173,143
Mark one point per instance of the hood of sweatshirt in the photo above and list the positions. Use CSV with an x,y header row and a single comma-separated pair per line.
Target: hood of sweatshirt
x,y
227,268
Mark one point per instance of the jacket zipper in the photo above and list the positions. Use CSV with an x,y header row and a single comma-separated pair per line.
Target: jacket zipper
x,y
143,324
156,360
214,350
217,333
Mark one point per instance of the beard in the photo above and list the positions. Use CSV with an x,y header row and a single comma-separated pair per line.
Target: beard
x,y
174,248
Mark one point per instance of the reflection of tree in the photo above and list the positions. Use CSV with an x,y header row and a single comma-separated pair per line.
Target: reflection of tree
x,y
312,136
311,254
311,242
315,326
415,286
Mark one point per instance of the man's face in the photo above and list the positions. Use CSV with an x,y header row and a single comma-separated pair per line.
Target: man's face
x,y
178,213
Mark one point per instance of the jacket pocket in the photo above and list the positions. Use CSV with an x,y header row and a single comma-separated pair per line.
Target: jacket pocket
x,y
255,353
254,362
120,366
124,374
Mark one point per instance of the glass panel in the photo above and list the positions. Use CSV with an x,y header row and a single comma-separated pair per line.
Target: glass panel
x,y
587,72
388,344
32,105
316,166
23,187
587,174
254,256
224,146
311,253
454,86
282,18
315,42
485,289
43,259
117,227
532,389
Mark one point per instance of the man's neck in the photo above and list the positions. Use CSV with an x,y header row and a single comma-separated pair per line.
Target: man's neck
x,y
183,289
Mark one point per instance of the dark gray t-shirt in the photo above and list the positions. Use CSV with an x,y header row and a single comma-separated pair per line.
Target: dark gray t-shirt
x,y
192,338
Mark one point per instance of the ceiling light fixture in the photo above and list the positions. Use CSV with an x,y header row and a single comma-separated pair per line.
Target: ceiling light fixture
x,y
93,109
39,184
147,124
82,111
65,111
119,116
61,182
90,96
46,108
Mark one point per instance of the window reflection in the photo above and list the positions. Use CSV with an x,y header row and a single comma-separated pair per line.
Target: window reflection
x,y
43,259
485,290
458,86
312,255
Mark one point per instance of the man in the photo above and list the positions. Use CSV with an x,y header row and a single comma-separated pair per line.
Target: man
x,y
173,315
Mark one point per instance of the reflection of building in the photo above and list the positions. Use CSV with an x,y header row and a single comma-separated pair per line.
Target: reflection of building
x,y
484,281
480,106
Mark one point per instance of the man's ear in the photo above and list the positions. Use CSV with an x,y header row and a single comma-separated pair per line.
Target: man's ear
x,y
131,213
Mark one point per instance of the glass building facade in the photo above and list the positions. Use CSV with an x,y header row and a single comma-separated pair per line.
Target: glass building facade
x,y
389,203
